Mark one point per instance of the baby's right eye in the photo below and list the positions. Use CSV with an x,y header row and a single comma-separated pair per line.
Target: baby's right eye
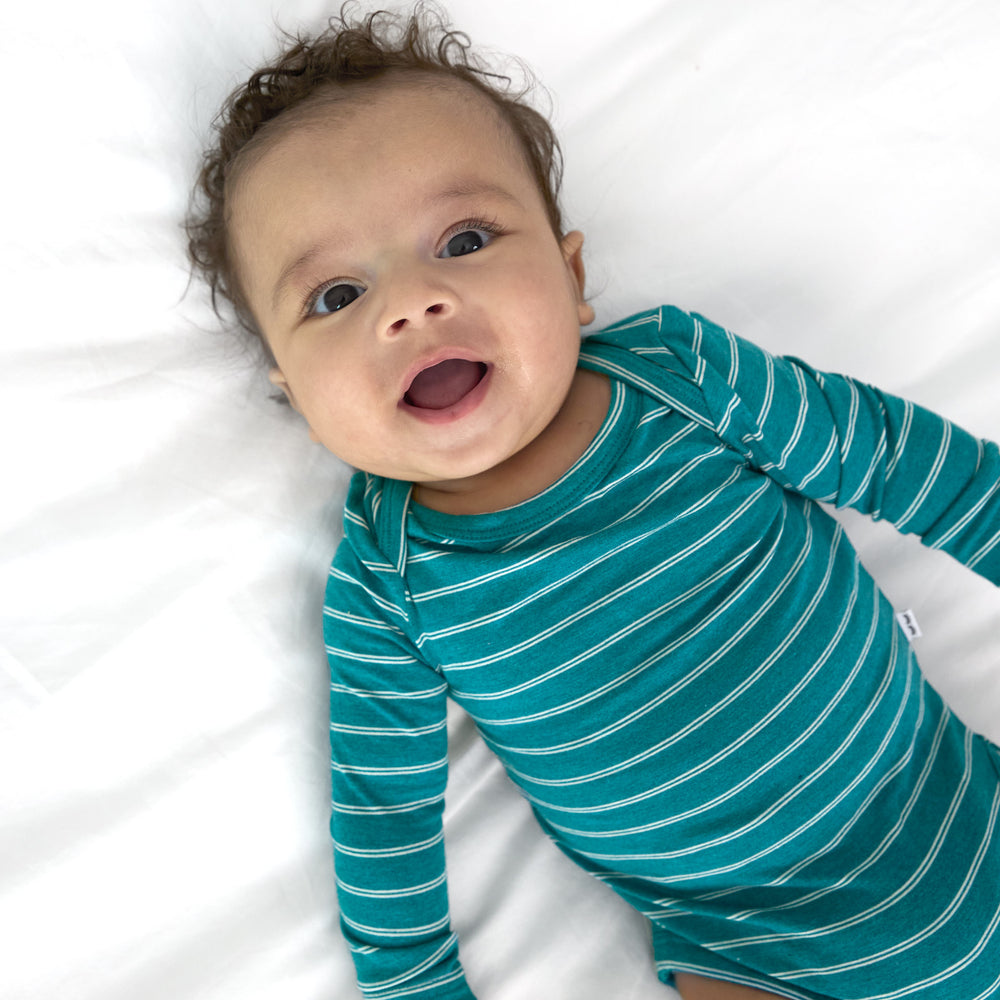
x,y
333,297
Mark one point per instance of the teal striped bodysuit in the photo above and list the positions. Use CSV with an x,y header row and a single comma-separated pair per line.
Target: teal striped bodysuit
x,y
680,661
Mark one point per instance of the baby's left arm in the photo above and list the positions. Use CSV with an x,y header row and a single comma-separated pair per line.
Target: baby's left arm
x,y
838,440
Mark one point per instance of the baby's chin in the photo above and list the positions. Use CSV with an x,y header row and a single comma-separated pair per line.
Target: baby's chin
x,y
457,477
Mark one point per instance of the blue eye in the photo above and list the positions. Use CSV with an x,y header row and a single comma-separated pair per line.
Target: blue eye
x,y
466,242
335,297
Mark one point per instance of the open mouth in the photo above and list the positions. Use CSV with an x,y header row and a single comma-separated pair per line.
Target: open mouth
x,y
442,385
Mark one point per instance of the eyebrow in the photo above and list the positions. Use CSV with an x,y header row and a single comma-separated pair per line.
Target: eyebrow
x,y
461,189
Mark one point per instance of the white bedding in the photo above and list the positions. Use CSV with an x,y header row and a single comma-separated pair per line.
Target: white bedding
x,y
819,175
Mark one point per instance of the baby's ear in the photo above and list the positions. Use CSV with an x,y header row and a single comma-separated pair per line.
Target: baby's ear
x,y
277,378
572,250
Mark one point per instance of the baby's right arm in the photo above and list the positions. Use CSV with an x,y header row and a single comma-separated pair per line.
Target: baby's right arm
x,y
389,750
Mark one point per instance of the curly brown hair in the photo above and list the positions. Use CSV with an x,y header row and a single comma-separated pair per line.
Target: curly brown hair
x,y
353,49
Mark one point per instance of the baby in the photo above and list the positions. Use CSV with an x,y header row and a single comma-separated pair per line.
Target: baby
x,y
608,551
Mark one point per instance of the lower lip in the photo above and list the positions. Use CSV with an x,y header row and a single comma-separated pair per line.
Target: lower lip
x,y
461,409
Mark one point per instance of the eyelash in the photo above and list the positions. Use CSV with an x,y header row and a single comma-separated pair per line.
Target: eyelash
x,y
484,225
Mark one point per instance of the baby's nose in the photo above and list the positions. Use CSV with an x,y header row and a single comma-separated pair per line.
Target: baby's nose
x,y
434,309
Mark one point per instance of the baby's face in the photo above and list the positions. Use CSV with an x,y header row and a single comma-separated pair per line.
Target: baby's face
x,y
398,257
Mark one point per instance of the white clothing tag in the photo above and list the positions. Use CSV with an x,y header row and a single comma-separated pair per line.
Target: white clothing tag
x,y
908,623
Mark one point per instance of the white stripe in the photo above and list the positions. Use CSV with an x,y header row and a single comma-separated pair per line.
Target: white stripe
x,y
346,809
398,893
391,932
347,654
389,695
389,852
899,448
931,478
377,772
376,599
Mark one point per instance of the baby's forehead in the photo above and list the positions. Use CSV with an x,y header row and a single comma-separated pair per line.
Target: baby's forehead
x,y
337,105
341,101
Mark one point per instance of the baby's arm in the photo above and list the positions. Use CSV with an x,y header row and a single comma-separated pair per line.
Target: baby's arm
x,y
389,747
835,439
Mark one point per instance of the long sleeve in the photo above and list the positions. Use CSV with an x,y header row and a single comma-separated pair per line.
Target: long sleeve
x,y
834,439
389,760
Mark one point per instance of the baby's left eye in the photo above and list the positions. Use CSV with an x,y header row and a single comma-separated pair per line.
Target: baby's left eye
x,y
465,242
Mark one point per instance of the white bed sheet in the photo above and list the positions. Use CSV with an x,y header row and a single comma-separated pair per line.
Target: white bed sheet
x,y
819,175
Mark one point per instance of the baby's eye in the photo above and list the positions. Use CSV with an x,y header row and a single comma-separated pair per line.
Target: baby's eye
x,y
335,297
467,241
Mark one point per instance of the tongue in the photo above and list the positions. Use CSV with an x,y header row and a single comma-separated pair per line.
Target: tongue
x,y
443,385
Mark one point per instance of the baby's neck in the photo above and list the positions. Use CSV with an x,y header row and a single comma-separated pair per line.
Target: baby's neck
x,y
538,465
